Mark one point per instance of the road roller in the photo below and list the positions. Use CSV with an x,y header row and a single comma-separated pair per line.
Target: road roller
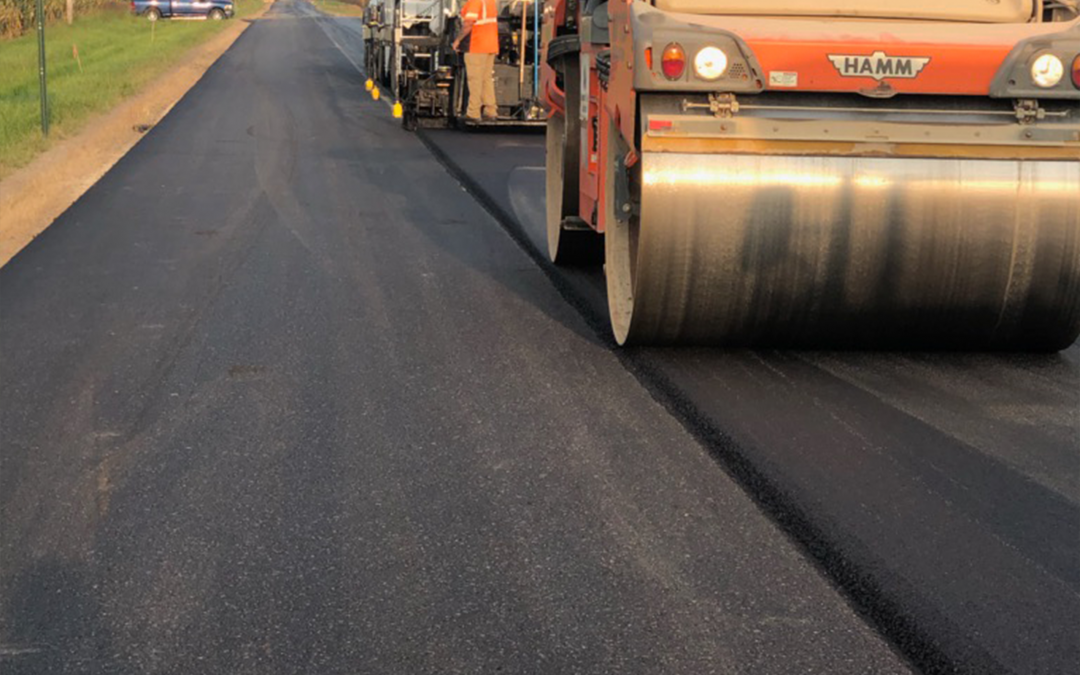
x,y
820,173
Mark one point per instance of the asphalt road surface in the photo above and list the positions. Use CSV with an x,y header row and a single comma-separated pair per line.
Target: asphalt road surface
x,y
279,395
940,492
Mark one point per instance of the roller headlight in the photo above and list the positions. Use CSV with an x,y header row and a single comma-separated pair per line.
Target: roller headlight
x,y
1047,71
711,62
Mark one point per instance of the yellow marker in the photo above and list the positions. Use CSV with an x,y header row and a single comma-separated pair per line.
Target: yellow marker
x,y
397,110
375,93
370,84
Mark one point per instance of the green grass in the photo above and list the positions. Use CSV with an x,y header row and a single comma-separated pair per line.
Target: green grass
x,y
339,8
119,56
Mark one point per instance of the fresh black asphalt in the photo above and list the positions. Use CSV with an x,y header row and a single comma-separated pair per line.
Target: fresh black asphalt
x,y
279,396
940,491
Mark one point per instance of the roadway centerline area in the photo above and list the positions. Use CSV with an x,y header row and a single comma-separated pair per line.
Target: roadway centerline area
x,y
279,396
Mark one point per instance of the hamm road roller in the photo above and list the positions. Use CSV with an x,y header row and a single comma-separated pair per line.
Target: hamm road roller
x,y
833,173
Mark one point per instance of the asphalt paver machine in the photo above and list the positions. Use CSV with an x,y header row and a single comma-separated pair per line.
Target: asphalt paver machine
x,y
410,54
836,173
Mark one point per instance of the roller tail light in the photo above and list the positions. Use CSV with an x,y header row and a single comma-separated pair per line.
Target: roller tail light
x,y
673,61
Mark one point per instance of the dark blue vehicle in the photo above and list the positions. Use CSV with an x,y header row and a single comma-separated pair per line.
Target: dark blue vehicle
x,y
153,10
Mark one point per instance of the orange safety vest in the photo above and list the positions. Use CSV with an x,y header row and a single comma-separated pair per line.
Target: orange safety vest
x,y
484,37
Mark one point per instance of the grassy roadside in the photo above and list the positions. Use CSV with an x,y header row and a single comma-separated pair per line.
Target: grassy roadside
x,y
338,8
119,55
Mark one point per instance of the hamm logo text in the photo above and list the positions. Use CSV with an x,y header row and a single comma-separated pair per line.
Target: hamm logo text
x,y
879,65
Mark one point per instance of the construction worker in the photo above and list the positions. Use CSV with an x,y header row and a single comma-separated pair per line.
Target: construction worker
x,y
480,26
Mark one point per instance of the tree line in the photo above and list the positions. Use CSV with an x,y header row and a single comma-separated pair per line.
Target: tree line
x,y
19,16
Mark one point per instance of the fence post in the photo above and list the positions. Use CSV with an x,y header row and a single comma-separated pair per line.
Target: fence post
x,y
41,68
536,51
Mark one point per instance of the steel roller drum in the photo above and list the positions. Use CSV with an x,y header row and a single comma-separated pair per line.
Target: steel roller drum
x,y
853,252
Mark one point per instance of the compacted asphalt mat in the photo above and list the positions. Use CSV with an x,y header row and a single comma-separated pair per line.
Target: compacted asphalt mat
x,y
940,491
292,390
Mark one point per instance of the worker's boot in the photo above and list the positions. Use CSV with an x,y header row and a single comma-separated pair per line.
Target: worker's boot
x,y
491,114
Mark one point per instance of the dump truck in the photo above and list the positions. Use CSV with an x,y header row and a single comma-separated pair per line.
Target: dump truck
x,y
409,47
827,173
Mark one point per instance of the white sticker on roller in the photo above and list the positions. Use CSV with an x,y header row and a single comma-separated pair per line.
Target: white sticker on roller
x,y
781,78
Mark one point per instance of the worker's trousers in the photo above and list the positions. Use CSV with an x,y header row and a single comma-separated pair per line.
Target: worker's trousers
x,y
480,69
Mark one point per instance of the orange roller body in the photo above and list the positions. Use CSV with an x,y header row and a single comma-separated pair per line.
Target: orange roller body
x,y
837,173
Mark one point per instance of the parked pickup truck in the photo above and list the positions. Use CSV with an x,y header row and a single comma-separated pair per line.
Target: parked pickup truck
x,y
183,9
